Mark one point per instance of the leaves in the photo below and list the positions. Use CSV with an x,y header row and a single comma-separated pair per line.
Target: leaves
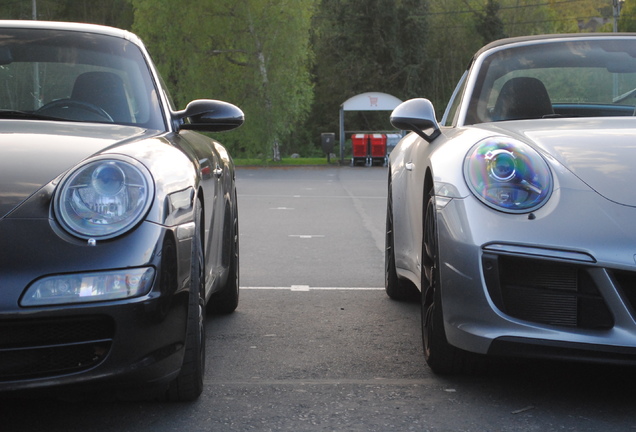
x,y
274,58
489,26
253,53
362,46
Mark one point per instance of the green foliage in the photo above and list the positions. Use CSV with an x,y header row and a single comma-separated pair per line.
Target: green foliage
x,y
284,162
489,26
362,46
116,13
457,28
253,53
274,57
627,22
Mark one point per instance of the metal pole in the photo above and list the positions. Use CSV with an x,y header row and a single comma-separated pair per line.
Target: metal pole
x,y
617,13
342,135
36,66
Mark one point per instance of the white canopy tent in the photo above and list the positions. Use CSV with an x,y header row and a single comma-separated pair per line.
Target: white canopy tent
x,y
371,101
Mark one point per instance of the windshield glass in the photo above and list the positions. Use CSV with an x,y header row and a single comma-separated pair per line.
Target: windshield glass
x,y
566,78
75,76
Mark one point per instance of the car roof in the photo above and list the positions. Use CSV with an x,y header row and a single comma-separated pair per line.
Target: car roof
x,y
69,26
550,37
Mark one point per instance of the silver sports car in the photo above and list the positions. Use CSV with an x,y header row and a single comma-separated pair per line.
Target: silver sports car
x,y
514,215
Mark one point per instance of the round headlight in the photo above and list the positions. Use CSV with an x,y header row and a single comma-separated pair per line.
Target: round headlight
x,y
108,179
104,198
508,175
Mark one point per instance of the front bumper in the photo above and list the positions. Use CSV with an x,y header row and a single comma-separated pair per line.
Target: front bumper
x,y
558,284
133,341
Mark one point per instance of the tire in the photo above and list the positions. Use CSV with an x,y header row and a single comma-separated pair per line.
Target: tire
x,y
396,288
189,383
227,299
440,356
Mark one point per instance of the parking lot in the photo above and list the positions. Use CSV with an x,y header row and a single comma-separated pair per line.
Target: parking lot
x,y
316,344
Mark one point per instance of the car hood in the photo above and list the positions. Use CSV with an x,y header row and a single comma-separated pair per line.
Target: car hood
x,y
33,153
599,151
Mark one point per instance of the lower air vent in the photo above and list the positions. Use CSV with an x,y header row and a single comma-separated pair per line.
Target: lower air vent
x,y
44,348
545,292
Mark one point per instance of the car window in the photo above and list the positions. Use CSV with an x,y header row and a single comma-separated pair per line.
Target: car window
x,y
571,79
78,77
451,110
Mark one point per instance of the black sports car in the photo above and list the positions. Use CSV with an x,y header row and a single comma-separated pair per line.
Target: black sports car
x,y
118,222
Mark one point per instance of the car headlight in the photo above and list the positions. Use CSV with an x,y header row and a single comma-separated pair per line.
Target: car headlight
x,y
89,287
508,175
104,197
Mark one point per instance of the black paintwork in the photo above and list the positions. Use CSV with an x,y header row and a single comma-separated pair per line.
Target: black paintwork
x,y
145,339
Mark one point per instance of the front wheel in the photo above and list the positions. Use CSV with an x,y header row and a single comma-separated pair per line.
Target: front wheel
x,y
226,301
441,357
189,383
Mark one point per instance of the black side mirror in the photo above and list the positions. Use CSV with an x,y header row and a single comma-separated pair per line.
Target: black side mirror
x,y
207,115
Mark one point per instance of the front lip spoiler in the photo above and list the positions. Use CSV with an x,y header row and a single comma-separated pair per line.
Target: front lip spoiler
x,y
510,346
539,252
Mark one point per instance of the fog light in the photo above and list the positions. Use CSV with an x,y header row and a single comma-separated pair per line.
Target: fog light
x,y
89,287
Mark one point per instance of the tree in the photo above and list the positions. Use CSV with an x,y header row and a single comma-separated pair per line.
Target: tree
x,y
116,13
254,53
627,21
362,46
454,38
489,25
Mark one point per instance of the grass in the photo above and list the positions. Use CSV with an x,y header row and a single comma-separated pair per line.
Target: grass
x,y
284,162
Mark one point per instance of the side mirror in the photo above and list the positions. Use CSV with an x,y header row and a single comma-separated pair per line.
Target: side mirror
x,y
416,115
207,115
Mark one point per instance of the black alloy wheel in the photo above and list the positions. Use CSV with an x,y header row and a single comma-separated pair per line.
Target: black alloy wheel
x,y
441,357
226,301
189,383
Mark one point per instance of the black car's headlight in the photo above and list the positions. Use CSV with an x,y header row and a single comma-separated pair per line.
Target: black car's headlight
x,y
104,197
508,175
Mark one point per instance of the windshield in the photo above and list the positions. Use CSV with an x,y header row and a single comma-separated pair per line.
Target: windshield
x,y
75,76
563,78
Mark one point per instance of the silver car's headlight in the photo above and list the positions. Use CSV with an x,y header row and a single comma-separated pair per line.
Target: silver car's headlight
x,y
104,197
508,175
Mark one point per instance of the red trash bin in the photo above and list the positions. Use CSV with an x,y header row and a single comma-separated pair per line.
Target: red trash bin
x,y
378,149
360,148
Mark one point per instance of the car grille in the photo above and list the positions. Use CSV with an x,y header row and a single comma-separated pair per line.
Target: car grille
x,y
546,292
626,281
44,348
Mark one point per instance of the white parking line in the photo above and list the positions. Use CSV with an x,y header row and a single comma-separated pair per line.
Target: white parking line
x,y
314,196
308,288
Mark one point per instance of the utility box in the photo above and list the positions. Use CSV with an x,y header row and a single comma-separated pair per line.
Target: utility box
x,y
327,141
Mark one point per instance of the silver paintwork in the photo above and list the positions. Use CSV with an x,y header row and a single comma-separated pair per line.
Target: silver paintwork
x,y
589,217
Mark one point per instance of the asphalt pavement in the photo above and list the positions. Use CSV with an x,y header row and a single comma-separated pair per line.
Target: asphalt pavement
x,y
312,226
316,345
